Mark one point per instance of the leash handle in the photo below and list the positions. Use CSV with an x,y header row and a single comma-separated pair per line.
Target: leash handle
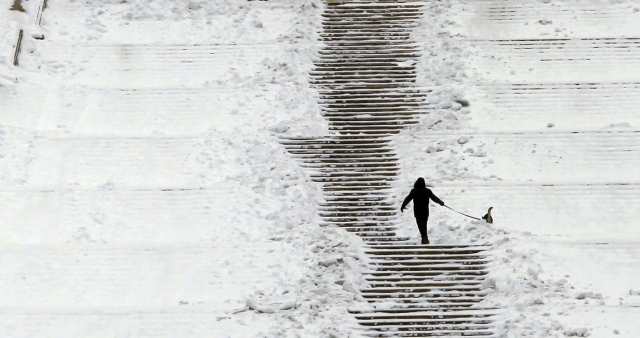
x,y
446,206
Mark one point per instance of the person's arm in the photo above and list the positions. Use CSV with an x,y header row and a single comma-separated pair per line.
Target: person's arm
x,y
436,199
406,201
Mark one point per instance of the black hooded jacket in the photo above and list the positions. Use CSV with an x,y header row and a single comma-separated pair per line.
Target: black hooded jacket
x,y
420,195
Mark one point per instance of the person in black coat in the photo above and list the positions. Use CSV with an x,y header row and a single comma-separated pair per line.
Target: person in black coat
x,y
420,195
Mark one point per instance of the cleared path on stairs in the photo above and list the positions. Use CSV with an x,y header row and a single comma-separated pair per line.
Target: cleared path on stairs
x,y
366,83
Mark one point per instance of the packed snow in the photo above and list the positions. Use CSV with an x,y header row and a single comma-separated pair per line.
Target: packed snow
x,y
145,193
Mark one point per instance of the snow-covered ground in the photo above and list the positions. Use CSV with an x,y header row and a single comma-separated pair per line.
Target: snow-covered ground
x,y
144,192
549,139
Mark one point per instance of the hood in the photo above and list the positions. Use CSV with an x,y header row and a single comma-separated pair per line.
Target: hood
x,y
419,184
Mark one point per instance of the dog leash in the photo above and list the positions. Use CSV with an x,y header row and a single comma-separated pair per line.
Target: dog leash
x,y
446,206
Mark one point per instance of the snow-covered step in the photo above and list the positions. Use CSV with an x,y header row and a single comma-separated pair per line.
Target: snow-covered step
x,y
460,248
402,114
348,161
363,196
357,187
416,93
131,162
328,207
386,102
447,275
175,23
347,35
388,13
355,144
370,218
425,316
380,45
154,65
521,18
347,120
377,102
112,216
425,283
379,155
608,155
351,49
557,59
370,215
375,241
433,331
354,50
358,112
390,18
364,174
154,321
342,141
378,59
565,49
367,130
423,309
427,260
355,172
361,76
99,275
390,21
317,166
441,267
387,278
363,26
424,289
431,256
370,7
417,320
377,33
569,105
359,115
364,226
379,236
356,205
360,80
558,202
151,112
374,228
417,298
371,107
349,180
355,213
372,200
371,76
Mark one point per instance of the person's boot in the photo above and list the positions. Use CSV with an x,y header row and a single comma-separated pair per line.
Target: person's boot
x,y
425,240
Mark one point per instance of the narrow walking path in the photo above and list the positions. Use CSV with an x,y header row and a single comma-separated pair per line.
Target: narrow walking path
x,y
365,77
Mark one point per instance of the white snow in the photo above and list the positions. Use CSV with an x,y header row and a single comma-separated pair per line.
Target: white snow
x,y
551,147
144,189
144,192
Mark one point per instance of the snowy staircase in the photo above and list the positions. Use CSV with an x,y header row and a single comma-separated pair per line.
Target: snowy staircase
x,y
365,77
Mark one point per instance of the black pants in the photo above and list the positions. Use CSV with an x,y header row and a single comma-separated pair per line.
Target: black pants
x,y
421,220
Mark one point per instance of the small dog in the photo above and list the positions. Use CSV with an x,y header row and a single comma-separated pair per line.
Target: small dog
x,y
488,217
